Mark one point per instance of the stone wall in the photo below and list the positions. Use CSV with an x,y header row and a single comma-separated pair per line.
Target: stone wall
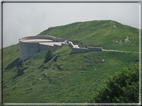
x,y
95,48
27,49
45,47
77,50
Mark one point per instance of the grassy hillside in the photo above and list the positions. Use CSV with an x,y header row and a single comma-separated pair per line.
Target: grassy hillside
x,y
108,34
71,79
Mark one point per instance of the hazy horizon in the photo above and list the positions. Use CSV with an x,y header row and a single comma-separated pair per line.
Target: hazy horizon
x,y
29,19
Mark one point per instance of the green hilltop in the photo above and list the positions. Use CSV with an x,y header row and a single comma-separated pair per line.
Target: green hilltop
x,y
72,78
108,34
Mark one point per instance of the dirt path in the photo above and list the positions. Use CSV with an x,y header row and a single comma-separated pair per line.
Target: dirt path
x,y
118,51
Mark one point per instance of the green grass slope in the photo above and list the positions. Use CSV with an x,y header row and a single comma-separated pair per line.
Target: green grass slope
x,y
108,34
73,77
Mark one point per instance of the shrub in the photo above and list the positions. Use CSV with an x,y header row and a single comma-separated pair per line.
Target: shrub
x,y
20,63
20,69
48,56
121,88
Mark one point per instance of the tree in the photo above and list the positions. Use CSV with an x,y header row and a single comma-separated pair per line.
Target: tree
x,y
20,69
20,63
121,88
48,56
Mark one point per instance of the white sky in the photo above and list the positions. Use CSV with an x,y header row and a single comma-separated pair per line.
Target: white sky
x,y
27,19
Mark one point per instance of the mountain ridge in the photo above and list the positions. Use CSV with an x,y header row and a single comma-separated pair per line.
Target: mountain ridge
x,y
50,28
98,33
72,78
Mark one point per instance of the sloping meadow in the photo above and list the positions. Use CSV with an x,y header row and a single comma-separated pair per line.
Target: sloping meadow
x,y
67,77
71,78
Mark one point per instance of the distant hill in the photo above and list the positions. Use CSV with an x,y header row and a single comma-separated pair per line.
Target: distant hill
x,y
108,34
70,78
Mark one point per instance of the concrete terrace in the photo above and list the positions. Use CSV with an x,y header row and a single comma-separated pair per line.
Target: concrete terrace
x,y
31,45
37,40
53,43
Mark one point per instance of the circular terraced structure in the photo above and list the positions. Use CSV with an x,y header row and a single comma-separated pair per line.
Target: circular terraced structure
x,y
31,45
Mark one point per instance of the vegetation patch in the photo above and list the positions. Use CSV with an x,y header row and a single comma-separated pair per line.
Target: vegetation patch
x,y
121,88
66,77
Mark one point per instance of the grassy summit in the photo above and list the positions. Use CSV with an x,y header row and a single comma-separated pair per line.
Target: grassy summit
x,y
108,34
72,77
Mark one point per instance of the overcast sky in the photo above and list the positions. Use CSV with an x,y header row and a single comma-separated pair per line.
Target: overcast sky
x,y
29,19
